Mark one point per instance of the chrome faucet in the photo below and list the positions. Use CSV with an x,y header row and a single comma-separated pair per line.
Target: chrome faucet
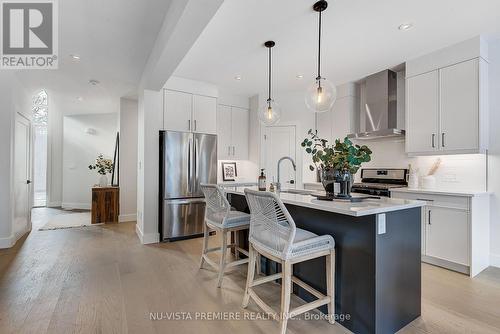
x,y
277,185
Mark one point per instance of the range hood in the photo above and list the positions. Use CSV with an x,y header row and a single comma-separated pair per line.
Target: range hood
x,y
380,109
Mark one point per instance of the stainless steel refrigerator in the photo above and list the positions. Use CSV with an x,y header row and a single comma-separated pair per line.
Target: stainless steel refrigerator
x,y
186,160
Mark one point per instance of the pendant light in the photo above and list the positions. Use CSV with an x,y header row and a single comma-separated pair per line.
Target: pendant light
x,y
321,96
270,113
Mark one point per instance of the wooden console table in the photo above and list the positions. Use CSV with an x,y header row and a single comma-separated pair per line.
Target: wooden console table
x,y
105,204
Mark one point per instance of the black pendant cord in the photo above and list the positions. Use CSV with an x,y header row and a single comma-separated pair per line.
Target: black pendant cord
x,y
269,97
319,49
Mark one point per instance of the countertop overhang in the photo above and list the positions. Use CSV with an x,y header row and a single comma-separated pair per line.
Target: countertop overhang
x,y
356,209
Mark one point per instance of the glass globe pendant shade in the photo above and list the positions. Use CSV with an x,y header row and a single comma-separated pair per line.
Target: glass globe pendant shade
x,y
270,113
321,96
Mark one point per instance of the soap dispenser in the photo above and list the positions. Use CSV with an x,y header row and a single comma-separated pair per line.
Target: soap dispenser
x,y
262,180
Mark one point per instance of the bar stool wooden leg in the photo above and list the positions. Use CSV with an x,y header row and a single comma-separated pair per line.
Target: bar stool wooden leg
x,y
205,244
250,275
222,265
286,287
258,264
330,285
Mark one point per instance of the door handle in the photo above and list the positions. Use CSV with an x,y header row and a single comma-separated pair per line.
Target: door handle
x,y
433,140
28,181
442,139
189,167
292,181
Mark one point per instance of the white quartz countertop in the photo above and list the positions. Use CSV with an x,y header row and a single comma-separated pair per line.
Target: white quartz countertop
x,y
439,192
364,208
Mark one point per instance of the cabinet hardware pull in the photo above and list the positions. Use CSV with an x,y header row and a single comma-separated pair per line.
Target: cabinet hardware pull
x,y
433,140
229,150
424,199
429,217
195,125
189,124
233,151
442,139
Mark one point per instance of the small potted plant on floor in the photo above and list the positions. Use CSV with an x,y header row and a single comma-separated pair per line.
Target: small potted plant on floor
x,y
337,163
103,167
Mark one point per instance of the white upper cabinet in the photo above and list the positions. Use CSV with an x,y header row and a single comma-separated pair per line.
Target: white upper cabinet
x,y
224,132
204,114
337,123
422,113
232,132
447,101
459,97
189,112
177,110
239,133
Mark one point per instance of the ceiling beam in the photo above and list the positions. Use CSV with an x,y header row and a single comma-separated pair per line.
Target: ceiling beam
x,y
184,22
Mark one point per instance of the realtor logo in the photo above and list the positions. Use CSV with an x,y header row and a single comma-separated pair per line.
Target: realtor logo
x,y
28,34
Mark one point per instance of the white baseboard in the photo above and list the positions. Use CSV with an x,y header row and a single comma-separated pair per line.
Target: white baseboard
x,y
132,217
149,238
54,204
7,242
78,206
495,260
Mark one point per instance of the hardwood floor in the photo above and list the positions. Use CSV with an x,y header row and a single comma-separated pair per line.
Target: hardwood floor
x,y
99,279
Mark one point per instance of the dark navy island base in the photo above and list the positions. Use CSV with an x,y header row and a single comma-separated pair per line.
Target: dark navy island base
x,y
377,276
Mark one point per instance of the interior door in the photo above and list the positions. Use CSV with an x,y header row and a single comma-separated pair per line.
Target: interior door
x,y
460,106
224,132
280,141
204,114
422,113
447,234
22,175
177,111
239,136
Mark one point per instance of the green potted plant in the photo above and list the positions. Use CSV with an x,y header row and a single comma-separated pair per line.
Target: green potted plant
x,y
336,163
103,167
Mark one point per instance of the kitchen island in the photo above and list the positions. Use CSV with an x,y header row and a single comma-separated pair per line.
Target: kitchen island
x,y
378,270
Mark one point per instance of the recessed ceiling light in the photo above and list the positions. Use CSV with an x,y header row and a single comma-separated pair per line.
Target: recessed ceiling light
x,y
93,82
299,76
75,57
405,26
79,99
238,77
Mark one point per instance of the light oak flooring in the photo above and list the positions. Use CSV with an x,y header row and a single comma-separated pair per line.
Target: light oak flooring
x,y
99,279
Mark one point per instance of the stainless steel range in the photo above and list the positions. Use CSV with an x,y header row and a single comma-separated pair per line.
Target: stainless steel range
x,y
378,182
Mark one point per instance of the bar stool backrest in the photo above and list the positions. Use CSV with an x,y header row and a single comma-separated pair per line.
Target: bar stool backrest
x,y
271,226
217,206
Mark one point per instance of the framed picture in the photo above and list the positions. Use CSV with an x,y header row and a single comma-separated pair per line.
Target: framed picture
x,y
229,171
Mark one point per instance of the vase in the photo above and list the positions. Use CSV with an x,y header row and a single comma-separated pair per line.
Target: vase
x,y
328,179
103,181
344,178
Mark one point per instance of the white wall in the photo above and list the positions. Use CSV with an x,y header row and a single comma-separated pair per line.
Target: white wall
x,y
494,152
128,159
55,151
80,150
150,118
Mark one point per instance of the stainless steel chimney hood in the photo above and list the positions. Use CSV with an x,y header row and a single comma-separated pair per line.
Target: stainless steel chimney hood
x,y
381,107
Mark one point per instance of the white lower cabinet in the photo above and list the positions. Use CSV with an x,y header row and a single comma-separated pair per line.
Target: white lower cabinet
x,y
447,234
455,229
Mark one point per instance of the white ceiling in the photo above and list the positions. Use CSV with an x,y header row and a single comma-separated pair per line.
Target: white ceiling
x,y
360,37
114,39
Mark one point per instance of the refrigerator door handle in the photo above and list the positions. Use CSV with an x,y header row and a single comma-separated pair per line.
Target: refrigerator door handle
x,y
196,163
186,201
189,181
